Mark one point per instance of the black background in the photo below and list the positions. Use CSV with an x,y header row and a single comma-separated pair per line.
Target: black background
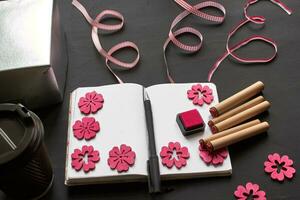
x,y
147,24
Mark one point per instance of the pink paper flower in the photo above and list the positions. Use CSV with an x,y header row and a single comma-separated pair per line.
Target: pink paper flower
x,y
121,158
251,191
216,157
85,158
174,154
200,95
279,167
87,128
91,103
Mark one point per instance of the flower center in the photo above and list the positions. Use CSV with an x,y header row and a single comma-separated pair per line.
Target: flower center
x,y
250,195
174,155
85,158
279,166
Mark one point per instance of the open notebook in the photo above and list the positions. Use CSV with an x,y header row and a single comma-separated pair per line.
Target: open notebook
x,y
122,121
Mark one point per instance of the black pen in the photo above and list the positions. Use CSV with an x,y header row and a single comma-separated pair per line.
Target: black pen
x,y
152,163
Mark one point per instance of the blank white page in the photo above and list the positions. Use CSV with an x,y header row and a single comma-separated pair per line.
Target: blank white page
x,y
167,101
122,121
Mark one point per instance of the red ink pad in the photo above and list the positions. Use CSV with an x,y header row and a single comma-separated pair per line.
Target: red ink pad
x,y
190,122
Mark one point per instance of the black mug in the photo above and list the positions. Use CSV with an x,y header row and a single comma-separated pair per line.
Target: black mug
x,y
25,168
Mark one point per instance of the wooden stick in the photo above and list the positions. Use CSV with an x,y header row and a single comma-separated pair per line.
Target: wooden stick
x,y
240,117
236,110
237,136
236,99
229,131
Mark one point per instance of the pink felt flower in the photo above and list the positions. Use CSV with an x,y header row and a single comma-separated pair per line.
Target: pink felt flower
x,y
216,157
174,154
121,158
200,95
251,191
279,167
87,128
91,103
85,158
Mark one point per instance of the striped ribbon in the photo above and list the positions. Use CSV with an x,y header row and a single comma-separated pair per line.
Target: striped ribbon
x,y
96,24
195,10
249,19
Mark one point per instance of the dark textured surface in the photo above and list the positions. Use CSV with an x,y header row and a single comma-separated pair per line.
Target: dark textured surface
x,y
147,24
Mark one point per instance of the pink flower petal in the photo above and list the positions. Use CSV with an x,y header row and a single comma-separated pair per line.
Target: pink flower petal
x,y
113,162
114,152
206,156
261,195
168,162
208,99
185,152
197,87
269,167
240,191
165,151
122,167
289,172
274,157
129,158
191,94
286,160
206,90
180,163
200,101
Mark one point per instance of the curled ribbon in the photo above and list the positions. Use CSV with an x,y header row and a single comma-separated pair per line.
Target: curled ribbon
x,y
249,19
195,10
96,24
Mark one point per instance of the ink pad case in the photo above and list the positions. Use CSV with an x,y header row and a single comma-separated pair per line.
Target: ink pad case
x,y
190,122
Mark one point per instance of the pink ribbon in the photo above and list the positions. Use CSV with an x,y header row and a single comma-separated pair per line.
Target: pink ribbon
x,y
96,24
195,10
254,19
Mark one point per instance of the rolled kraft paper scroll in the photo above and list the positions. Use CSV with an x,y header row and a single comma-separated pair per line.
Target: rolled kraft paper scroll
x,y
236,110
237,136
241,117
229,131
237,99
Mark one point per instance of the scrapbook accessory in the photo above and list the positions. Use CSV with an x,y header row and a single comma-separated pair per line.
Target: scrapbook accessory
x,y
259,20
87,128
195,10
204,141
237,136
236,110
241,117
214,158
251,190
85,158
200,94
279,167
236,99
121,158
91,103
96,24
190,122
174,154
